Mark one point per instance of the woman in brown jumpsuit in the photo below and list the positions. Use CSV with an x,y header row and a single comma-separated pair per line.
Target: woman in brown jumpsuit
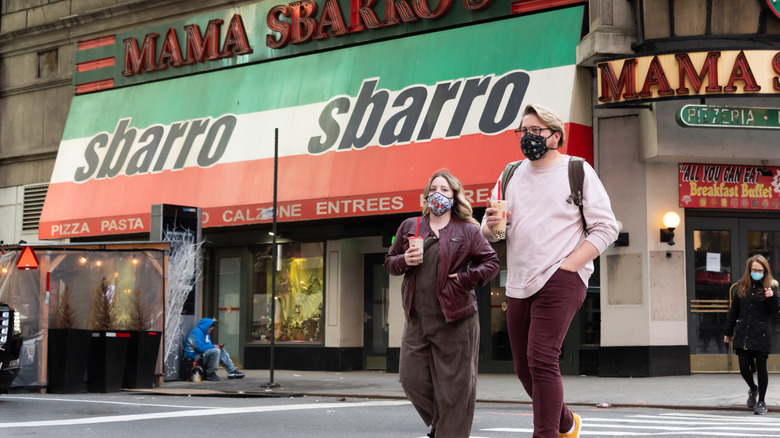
x,y
438,364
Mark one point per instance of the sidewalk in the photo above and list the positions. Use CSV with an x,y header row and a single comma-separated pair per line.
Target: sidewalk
x,y
696,391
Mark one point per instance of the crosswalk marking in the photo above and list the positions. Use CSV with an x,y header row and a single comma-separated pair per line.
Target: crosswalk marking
x,y
107,402
196,413
670,424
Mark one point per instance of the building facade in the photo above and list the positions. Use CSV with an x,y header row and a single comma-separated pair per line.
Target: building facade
x,y
692,130
338,113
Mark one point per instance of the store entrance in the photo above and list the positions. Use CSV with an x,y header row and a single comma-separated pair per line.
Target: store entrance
x,y
717,249
495,355
375,309
228,284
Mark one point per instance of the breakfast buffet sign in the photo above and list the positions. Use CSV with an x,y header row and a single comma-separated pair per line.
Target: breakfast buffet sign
x,y
729,186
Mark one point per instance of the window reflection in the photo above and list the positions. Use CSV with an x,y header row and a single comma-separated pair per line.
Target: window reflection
x,y
299,287
499,335
712,277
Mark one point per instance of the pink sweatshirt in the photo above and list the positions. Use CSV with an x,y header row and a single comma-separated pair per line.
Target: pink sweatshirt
x,y
544,229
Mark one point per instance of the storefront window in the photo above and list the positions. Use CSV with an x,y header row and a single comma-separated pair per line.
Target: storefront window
x,y
298,273
766,243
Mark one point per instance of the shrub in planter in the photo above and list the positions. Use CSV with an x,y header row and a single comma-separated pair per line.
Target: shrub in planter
x,y
144,346
108,348
68,350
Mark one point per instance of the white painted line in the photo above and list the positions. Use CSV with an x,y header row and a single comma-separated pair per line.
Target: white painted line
x,y
196,413
675,434
72,400
624,433
703,421
689,427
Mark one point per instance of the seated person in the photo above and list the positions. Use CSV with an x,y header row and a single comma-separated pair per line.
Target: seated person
x,y
198,347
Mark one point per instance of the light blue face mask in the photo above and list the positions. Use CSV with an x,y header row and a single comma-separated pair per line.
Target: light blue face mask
x,y
756,275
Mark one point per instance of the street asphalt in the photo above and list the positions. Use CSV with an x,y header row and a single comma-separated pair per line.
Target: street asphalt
x,y
695,391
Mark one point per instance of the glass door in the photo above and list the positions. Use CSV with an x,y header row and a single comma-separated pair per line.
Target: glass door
x,y
762,236
712,256
495,355
375,311
717,250
229,305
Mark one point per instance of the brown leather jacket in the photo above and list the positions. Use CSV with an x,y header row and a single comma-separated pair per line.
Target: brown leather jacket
x,y
462,250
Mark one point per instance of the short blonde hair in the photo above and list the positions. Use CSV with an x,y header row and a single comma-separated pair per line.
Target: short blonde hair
x,y
549,117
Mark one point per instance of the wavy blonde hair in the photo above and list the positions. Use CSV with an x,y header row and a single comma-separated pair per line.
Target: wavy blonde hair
x,y
461,208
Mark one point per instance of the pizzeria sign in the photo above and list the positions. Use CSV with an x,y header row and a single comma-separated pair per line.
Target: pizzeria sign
x,y
729,186
709,116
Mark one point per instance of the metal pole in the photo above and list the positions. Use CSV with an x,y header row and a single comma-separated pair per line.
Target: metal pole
x,y
274,255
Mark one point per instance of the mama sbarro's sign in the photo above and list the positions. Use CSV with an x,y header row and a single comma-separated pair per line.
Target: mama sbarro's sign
x,y
689,74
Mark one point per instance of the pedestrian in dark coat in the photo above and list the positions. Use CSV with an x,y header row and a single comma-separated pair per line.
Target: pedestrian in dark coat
x,y
440,344
754,301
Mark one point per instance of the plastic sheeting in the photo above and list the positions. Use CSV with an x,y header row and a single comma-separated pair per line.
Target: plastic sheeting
x,y
39,294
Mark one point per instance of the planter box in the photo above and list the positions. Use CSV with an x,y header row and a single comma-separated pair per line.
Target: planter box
x,y
142,353
68,353
107,355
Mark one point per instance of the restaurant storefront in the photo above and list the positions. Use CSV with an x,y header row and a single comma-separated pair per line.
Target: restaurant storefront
x,y
357,109
691,120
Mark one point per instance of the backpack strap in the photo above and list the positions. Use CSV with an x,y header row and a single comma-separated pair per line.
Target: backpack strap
x,y
576,182
506,175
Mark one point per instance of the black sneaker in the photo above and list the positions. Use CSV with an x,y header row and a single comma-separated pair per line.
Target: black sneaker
x,y
760,408
236,375
213,377
752,396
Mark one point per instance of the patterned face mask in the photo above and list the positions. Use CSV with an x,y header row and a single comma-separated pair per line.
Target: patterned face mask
x,y
439,204
534,146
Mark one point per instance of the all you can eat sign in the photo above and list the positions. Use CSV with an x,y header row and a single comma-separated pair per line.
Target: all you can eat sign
x,y
729,186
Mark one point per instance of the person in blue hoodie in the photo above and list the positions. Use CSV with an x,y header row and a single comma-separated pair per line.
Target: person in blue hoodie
x,y
198,347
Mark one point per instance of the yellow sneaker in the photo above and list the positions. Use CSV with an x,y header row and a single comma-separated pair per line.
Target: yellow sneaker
x,y
575,432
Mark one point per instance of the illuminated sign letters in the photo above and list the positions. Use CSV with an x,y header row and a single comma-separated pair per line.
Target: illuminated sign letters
x,y
689,74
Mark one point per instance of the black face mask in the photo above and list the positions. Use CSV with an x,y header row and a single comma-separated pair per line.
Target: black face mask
x,y
534,146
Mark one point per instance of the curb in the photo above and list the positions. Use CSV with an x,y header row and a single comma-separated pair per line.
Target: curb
x,y
343,396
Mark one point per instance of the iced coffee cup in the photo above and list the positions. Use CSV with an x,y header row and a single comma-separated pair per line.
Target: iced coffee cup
x,y
417,242
499,230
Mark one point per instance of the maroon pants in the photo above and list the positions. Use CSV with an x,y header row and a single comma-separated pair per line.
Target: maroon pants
x,y
537,326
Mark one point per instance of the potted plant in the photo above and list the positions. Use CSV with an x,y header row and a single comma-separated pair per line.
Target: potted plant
x,y
109,346
144,346
68,350
297,330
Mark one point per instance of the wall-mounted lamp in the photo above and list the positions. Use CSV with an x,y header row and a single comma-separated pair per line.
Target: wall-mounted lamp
x,y
764,170
622,238
671,221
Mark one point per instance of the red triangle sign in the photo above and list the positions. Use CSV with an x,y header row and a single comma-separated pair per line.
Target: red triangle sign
x,y
28,259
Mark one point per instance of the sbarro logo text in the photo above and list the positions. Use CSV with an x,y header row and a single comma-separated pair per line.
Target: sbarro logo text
x,y
418,113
